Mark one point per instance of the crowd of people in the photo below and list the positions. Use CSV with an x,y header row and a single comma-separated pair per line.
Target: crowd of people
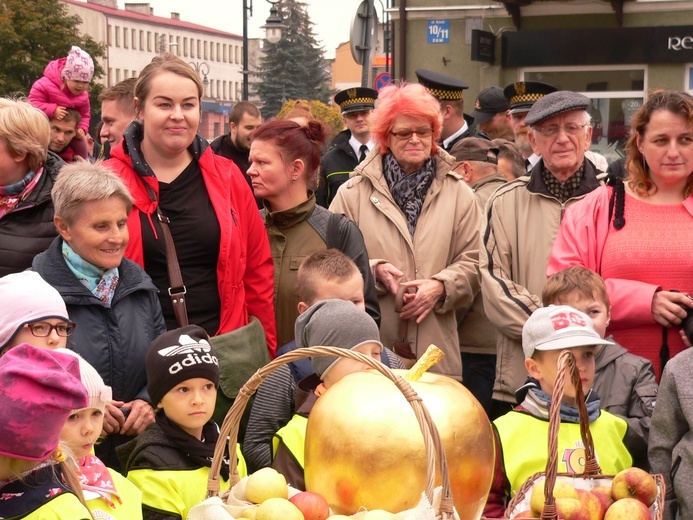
x,y
138,278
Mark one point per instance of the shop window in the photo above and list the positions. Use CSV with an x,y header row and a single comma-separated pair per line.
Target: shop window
x,y
617,92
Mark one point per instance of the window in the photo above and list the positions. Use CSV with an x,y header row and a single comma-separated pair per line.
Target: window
x,y
238,92
211,51
126,43
117,75
218,51
109,35
238,59
206,48
218,88
149,41
133,33
226,53
110,77
141,40
199,49
225,94
125,74
156,42
117,36
617,92
689,79
134,74
177,45
185,46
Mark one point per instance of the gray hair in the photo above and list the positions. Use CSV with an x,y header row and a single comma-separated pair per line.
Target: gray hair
x,y
82,182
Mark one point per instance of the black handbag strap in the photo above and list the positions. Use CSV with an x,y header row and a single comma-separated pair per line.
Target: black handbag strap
x,y
176,290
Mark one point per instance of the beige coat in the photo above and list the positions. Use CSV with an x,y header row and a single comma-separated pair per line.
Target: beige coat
x,y
445,247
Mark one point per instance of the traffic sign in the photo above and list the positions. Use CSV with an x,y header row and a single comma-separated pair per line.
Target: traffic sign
x,y
382,79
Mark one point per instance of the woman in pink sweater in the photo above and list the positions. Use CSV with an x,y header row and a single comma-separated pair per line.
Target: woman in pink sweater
x,y
637,233
65,84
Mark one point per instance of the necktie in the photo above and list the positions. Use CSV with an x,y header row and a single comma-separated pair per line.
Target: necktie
x,y
364,152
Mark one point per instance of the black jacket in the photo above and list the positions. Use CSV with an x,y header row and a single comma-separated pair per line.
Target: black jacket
x,y
472,131
223,146
336,165
28,230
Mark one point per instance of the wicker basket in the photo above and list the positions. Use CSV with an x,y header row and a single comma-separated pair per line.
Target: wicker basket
x,y
432,441
592,475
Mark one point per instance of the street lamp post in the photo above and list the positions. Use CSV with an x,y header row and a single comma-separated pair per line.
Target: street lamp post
x,y
273,32
202,69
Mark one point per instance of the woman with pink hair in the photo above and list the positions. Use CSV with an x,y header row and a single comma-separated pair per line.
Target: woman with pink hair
x,y
420,224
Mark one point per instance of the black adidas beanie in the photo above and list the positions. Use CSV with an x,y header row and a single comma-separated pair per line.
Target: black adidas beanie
x,y
178,355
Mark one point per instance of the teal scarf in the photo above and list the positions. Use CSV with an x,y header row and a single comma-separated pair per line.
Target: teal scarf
x,y
102,284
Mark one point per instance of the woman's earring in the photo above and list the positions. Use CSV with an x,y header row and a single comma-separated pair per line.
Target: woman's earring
x,y
294,179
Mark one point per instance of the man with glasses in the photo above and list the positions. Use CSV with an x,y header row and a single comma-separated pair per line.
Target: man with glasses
x,y
350,146
522,220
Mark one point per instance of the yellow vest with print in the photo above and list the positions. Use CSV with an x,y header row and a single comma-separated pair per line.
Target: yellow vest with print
x,y
65,506
524,441
293,435
129,509
176,491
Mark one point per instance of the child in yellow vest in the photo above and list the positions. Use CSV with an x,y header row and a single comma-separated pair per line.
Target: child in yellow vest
x,y
522,434
109,495
39,388
170,460
330,323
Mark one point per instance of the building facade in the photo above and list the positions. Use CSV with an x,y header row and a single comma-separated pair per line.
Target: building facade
x,y
134,36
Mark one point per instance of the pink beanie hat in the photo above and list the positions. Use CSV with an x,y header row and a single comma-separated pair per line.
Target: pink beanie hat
x,y
79,66
39,388
24,298
99,393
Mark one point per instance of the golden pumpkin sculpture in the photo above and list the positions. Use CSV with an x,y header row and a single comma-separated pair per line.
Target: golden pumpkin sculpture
x,y
364,447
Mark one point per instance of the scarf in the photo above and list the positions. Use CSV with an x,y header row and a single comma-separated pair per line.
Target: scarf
x,y
408,190
95,477
13,194
538,403
102,284
198,451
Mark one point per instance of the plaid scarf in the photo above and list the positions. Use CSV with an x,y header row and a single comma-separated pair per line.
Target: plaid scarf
x,y
408,190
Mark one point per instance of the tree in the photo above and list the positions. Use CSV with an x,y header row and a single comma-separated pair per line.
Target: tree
x,y
34,32
328,115
293,68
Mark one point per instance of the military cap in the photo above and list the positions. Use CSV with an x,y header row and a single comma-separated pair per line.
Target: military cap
x,y
556,103
475,149
523,94
490,102
356,99
444,88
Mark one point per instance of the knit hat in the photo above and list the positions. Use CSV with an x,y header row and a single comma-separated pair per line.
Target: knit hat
x,y
25,298
78,66
558,327
39,388
334,323
179,355
99,393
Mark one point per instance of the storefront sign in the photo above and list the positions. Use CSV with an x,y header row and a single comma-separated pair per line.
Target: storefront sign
x,y
483,46
625,45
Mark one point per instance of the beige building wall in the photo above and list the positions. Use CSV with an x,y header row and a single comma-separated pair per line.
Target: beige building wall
x,y
345,71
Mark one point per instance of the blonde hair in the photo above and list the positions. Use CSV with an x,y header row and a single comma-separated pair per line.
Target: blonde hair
x,y
82,182
574,279
329,265
25,130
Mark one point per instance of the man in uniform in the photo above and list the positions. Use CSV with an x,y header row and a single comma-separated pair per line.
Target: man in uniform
x,y
522,219
350,146
521,96
449,92
491,114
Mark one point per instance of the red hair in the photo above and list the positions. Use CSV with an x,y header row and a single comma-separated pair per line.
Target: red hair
x,y
405,99
294,141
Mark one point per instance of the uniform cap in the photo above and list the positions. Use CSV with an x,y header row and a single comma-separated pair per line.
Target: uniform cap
x,y
443,88
356,99
523,94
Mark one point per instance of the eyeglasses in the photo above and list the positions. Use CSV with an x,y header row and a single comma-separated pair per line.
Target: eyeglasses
x,y
405,135
42,329
569,129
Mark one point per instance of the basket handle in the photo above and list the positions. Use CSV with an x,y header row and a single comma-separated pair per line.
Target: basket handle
x,y
432,442
566,362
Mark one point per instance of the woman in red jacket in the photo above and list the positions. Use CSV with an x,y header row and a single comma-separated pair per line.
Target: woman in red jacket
x,y
219,237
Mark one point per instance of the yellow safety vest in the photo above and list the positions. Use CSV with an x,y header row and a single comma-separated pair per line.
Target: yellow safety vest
x,y
129,509
65,506
524,442
293,436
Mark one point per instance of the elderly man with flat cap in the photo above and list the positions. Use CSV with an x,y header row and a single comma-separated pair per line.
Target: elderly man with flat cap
x,y
350,146
449,92
477,162
522,219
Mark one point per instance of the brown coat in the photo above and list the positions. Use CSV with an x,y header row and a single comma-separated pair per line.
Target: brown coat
x,y
445,247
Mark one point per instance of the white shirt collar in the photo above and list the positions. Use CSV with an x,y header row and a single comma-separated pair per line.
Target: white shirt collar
x,y
533,160
454,136
356,145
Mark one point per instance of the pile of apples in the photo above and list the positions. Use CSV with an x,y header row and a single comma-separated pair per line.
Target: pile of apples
x,y
630,496
268,488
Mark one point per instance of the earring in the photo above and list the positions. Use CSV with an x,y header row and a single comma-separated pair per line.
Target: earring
x,y
294,179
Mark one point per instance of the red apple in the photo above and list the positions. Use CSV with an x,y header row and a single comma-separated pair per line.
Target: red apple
x,y
603,493
571,509
591,503
628,508
634,483
312,505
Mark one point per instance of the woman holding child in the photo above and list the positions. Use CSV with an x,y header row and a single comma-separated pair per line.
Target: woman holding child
x,y
420,223
285,157
636,233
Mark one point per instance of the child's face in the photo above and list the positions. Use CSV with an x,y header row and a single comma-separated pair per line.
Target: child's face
x,y
344,366
595,309
350,290
77,87
52,341
190,404
82,430
543,367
